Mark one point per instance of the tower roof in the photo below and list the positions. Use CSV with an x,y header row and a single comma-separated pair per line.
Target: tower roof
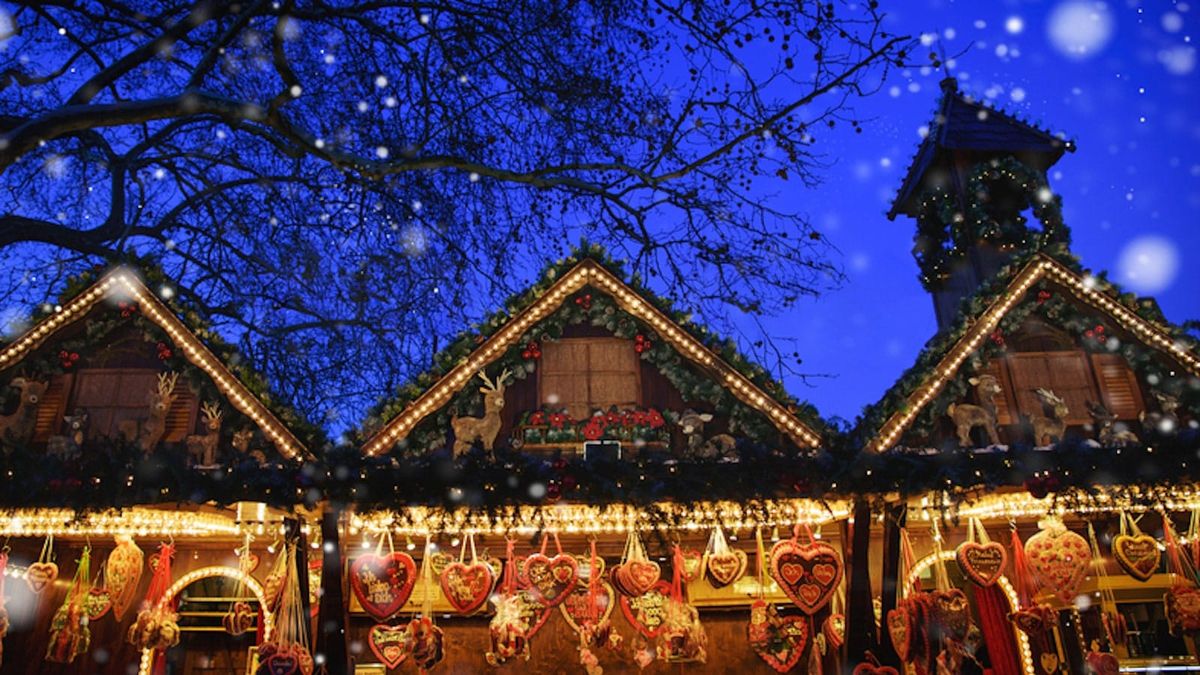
x,y
966,128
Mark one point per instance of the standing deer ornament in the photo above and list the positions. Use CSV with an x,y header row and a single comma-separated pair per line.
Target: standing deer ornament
x,y
203,447
20,424
1051,427
146,434
486,428
966,416
1109,432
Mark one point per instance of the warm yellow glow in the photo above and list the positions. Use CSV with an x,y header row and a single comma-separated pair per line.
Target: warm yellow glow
x,y
1040,267
1023,506
588,272
616,518
125,284
135,522
1004,584
147,661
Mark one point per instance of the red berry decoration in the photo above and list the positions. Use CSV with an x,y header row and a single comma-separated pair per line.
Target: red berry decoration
x,y
164,352
68,359
533,351
128,309
998,337
1043,296
584,301
641,343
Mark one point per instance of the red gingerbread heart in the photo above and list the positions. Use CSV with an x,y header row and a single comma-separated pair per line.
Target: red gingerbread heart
x,y
1138,555
389,644
981,563
899,628
97,603
383,583
39,575
577,610
725,568
551,579
648,612
1033,621
637,576
1183,608
1059,558
693,565
779,641
466,587
808,573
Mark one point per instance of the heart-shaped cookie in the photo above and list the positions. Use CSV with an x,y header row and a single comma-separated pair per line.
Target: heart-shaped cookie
x,y
1183,609
39,575
1033,621
248,563
872,669
466,586
952,613
96,604
551,579
583,564
1059,558
808,573
577,608
282,663
383,583
239,619
1049,662
834,630
389,644
899,628
1103,663
693,564
779,641
647,612
122,574
533,612
1138,555
981,563
725,568
637,576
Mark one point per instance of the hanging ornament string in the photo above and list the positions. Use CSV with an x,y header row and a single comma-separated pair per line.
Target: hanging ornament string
x,y
1193,535
908,559
47,554
760,557
941,579
1108,598
508,580
426,578
1177,564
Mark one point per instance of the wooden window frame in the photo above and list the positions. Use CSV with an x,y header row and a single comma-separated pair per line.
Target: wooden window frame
x,y
587,371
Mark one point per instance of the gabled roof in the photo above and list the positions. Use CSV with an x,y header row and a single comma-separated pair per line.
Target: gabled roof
x,y
123,284
949,355
963,123
589,272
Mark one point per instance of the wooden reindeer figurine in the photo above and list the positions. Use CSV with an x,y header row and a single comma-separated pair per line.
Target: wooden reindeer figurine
x,y
68,445
966,416
1050,427
149,432
486,428
241,443
1163,422
1107,434
20,424
202,448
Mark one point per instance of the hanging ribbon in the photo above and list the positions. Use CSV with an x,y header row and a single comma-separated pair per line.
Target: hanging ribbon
x,y
908,560
241,616
1026,585
941,579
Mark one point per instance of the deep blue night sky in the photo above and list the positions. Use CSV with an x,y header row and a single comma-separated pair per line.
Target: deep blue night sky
x,y
1118,78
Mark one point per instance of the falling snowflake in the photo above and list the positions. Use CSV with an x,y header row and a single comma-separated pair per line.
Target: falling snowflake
x,y
1014,24
1080,29
1148,264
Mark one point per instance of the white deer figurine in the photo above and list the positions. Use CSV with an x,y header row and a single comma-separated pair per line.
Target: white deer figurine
x,y
486,428
148,433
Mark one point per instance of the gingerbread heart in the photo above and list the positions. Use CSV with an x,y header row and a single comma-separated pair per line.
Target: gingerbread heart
x,y
122,574
872,669
583,564
383,583
693,564
1059,558
551,579
952,613
1138,555
808,573
39,575
239,619
725,568
1183,609
779,641
1033,621
1103,663
248,563
834,630
466,587
639,576
577,608
647,612
533,612
389,644
1049,662
96,604
981,563
899,628
282,663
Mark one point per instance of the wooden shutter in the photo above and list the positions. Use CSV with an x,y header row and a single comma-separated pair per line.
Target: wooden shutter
x,y
113,395
181,420
1005,403
52,408
584,374
1067,374
1118,386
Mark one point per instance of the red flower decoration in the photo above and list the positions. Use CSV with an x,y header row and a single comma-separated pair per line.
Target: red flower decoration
x,y
164,352
1043,296
593,430
557,420
655,419
538,418
998,337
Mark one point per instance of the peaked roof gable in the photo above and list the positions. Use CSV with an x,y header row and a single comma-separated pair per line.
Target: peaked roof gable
x,y
963,123
589,272
124,284
1040,267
